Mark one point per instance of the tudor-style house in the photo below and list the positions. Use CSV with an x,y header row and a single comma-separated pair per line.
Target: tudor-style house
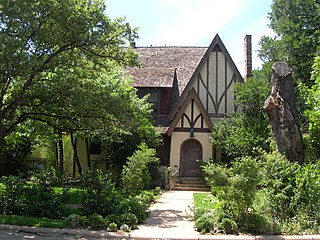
x,y
190,88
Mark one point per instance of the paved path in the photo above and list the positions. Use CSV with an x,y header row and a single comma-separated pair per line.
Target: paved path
x,y
168,218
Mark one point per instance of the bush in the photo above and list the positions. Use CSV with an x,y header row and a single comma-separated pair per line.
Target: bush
x,y
76,221
207,223
100,194
12,194
129,219
133,206
96,221
234,186
229,226
263,195
112,227
135,175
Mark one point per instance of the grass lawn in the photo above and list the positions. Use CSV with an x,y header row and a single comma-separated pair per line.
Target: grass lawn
x,y
204,200
31,221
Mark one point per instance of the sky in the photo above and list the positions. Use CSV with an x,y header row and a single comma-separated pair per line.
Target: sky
x,y
196,22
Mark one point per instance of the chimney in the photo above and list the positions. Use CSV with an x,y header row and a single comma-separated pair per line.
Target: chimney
x,y
247,56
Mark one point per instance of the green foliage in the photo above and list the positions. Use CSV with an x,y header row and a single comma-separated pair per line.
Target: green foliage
x,y
245,131
76,221
12,195
262,195
41,199
135,174
101,196
96,221
132,205
296,24
52,53
279,182
312,111
129,219
206,223
112,227
234,186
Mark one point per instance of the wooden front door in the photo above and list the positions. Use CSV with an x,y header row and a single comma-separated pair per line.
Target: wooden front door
x,y
191,151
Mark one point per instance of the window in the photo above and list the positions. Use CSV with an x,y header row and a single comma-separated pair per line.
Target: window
x,y
95,146
153,98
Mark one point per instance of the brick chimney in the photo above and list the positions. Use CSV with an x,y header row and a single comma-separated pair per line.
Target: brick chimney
x,y
247,56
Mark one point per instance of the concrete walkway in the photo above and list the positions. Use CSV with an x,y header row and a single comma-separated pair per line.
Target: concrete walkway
x,y
168,218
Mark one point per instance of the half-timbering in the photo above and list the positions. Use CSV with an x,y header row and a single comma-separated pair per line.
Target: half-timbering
x,y
190,88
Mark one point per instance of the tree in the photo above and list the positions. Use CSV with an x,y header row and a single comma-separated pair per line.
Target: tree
x,y
50,52
281,109
248,129
312,113
296,25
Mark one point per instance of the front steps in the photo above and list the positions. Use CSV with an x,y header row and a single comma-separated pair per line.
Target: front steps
x,y
190,184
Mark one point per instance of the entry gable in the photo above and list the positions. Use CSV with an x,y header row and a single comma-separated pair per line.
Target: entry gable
x,y
213,81
191,116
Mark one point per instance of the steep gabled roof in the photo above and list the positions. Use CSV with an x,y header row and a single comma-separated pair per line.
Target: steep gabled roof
x,y
158,64
191,94
218,45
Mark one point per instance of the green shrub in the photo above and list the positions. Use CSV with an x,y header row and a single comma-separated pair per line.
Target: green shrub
x,y
96,221
234,186
100,194
12,195
133,206
206,223
76,221
42,202
135,175
112,218
112,227
157,191
229,226
129,219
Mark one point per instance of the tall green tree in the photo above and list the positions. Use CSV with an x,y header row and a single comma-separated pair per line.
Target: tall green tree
x,y
312,97
297,35
248,129
52,53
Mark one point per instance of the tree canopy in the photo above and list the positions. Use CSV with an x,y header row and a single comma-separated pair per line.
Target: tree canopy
x,y
60,63
297,35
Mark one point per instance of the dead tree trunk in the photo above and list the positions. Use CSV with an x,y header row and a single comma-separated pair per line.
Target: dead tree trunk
x,y
281,111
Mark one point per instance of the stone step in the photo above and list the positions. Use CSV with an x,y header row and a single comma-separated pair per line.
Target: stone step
x,y
190,184
199,189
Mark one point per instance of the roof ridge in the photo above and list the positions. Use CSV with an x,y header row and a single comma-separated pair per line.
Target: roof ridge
x,y
170,47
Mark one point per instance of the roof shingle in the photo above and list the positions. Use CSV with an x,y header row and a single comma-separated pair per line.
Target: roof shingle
x,y
157,65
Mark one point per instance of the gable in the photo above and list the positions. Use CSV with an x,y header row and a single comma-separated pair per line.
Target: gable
x,y
213,81
191,117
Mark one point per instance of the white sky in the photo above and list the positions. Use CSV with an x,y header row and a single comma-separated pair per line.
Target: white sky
x,y
196,22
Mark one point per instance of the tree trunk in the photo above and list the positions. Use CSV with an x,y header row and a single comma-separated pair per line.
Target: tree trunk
x,y
56,155
88,153
75,154
281,111
61,152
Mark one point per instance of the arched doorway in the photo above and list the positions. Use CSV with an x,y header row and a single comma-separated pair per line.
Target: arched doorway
x,y
190,152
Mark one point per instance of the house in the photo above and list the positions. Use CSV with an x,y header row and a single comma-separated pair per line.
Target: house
x,y
190,88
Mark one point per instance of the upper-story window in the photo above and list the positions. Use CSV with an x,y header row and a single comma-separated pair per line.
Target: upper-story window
x,y
153,98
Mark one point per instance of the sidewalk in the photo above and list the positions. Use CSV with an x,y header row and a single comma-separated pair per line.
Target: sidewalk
x,y
167,218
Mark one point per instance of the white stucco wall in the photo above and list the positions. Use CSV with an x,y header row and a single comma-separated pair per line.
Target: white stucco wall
x,y
177,138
